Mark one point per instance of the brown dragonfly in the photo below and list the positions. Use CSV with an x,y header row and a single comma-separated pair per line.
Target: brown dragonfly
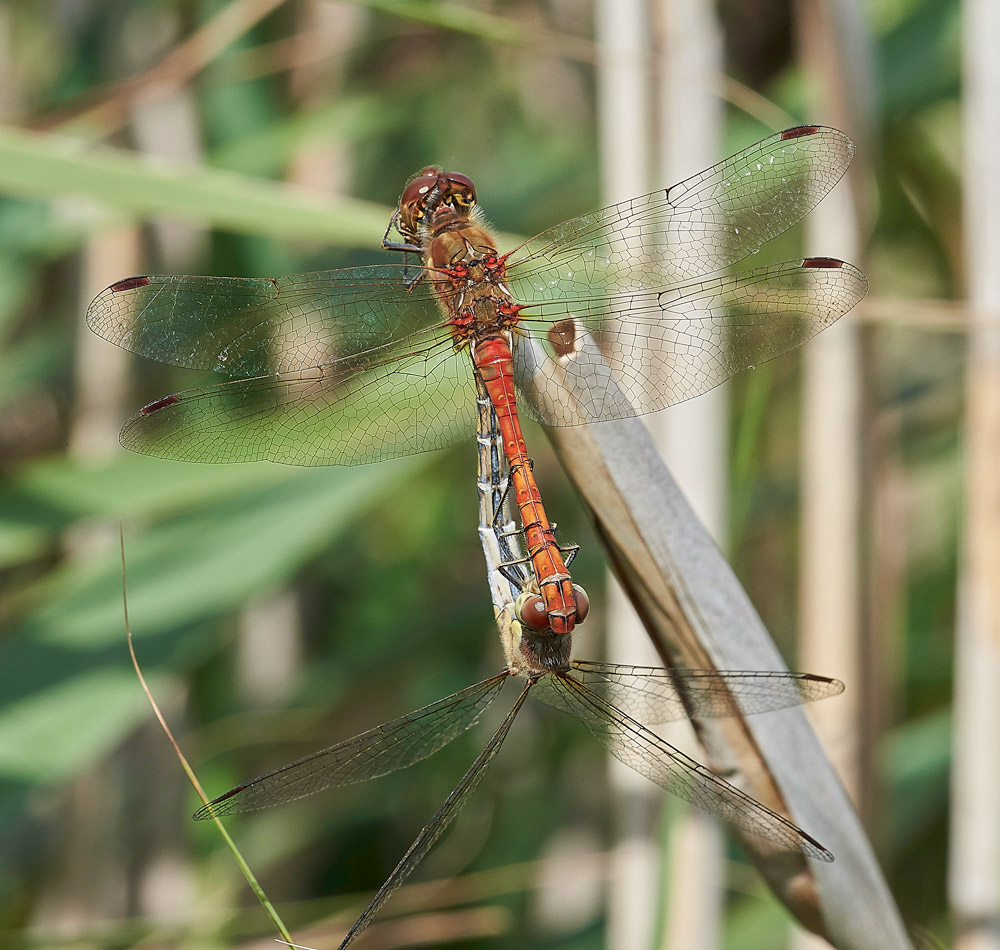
x,y
619,312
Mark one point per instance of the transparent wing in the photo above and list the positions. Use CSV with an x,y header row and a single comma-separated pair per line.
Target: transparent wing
x,y
244,327
643,750
363,409
435,827
697,227
386,748
655,695
639,352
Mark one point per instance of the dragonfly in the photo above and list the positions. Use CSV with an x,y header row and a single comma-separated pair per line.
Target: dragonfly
x,y
616,702
619,312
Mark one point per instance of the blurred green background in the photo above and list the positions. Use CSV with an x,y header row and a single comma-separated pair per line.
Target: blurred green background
x,y
277,610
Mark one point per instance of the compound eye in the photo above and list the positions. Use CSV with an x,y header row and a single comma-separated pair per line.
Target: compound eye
x,y
530,610
582,603
415,193
461,187
464,183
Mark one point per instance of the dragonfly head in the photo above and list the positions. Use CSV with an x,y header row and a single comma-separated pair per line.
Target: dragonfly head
x,y
429,192
532,646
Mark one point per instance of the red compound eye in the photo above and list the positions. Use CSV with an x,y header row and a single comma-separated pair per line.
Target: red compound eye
x,y
582,603
531,612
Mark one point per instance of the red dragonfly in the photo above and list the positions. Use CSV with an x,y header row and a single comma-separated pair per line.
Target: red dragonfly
x,y
610,699
630,309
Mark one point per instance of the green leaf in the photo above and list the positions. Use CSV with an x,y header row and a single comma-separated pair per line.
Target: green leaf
x,y
36,164
49,735
267,151
211,560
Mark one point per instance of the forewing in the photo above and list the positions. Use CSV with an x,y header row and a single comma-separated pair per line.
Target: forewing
x,y
245,327
643,351
699,226
386,748
655,695
435,827
350,412
643,750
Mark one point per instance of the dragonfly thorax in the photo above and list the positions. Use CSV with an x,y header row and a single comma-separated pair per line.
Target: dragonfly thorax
x,y
537,651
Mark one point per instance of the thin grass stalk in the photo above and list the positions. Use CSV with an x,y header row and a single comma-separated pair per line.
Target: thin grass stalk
x,y
192,777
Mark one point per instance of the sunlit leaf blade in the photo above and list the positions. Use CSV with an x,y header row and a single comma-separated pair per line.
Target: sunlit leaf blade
x,y
643,750
654,695
435,828
33,163
386,748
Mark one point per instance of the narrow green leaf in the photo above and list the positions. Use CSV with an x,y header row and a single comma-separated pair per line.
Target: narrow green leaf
x,y
49,735
209,561
36,164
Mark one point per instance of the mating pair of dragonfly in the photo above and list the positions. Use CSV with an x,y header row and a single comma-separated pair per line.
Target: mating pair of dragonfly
x,y
616,313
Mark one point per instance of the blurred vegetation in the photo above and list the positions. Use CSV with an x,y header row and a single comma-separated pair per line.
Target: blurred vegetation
x,y
376,572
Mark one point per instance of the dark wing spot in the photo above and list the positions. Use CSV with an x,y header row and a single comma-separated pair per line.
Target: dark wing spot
x,y
158,405
822,262
799,131
130,283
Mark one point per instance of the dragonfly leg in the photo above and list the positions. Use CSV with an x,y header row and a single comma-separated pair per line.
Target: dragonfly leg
x,y
499,509
405,248
569,551
388,245
513,567
515,572
410,282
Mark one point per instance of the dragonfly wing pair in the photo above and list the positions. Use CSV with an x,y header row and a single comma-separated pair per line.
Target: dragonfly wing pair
x,y
643,285
593,693
386,748
643,750
654,695
342,366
